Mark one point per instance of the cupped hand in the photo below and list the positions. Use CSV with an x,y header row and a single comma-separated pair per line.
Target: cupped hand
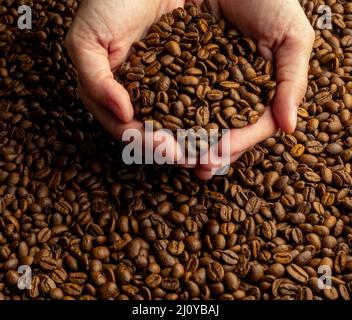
x,y
103,32
283,34
98,43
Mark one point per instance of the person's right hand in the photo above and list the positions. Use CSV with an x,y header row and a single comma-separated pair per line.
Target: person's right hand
x,y
98,43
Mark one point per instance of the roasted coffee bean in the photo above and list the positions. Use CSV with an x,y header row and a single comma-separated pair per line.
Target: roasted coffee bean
x,y
59,275
56,294
215,271
72,289
256,272
193,244
46,285
135,74
173,48
153,280
100,253
297,273
202,116
108,290
149,57
239,121
44,235
47,263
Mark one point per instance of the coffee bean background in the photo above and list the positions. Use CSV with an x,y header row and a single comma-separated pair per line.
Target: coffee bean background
x,y
92,228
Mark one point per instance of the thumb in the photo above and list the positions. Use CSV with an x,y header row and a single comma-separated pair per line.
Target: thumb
x,y
94,71
292,62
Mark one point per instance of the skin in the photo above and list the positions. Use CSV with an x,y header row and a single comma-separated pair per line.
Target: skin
x,y
103,32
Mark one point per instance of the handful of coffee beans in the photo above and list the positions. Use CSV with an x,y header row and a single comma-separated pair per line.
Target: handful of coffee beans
x,y
194,71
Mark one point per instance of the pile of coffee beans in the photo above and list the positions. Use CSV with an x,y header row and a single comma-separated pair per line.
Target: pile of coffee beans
x,y
192,71
90,227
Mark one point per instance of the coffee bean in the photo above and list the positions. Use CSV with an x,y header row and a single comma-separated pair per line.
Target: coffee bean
x,y
12,277
238,121
108,290
44,235
297,273
100,253
59,275
163,84
256,272
56,294
189,81
77,277
47,285
34,291
135,74
215,271
71,289
231,281
176,247
153,280
283,257
193,244
269,230
47,263
151,70
297,150
149,57
203,116
170,284
333,149
331,293
173,48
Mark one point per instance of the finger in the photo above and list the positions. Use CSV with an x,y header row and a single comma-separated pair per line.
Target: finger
x,y
203,174
292,63
238,140
92,63
105,116
207,173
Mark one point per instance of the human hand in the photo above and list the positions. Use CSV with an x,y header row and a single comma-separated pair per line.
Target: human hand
x,y
283,34
98,43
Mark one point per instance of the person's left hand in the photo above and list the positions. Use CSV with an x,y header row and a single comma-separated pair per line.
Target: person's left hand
x,y
283,34
236,142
